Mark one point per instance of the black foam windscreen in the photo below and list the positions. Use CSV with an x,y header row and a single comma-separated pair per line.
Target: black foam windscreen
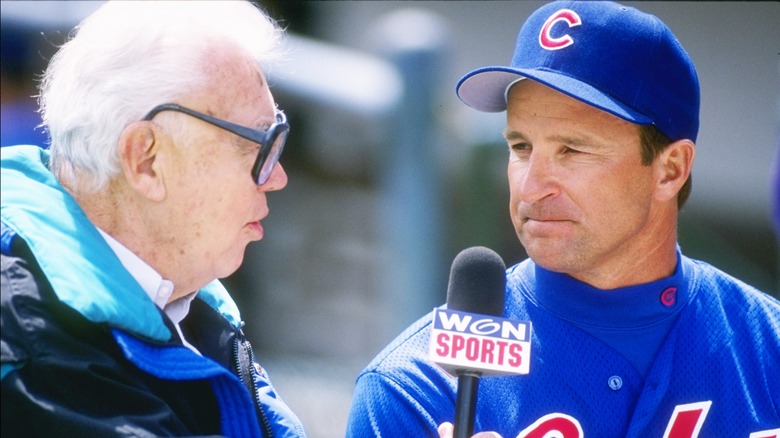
x,y
477,282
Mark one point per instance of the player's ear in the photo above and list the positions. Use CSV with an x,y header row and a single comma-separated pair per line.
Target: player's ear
x,y
139,150
673,167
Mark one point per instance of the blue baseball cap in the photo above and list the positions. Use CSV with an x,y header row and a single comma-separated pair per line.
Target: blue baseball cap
x,y
613,57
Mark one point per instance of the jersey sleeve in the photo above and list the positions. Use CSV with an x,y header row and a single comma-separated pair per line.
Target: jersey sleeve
x,y
402,393
381,407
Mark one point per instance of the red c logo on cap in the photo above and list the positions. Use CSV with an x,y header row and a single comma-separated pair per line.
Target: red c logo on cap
x,y
550,42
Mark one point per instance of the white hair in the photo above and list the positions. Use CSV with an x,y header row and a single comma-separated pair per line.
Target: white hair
x,y
125,59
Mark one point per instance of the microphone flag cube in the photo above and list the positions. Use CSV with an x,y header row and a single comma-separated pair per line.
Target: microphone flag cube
x,y
491,345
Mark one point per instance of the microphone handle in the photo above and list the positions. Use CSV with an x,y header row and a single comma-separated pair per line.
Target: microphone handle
x,y
466,404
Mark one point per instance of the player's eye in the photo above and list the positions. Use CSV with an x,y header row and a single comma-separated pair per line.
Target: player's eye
x,y
519,147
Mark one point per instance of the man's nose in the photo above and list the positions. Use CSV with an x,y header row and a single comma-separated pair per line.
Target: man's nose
x,y
538,178
277,180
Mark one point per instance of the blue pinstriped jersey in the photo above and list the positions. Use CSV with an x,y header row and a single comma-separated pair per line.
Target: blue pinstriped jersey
x,y
706,363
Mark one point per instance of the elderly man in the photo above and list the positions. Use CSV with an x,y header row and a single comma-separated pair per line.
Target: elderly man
x,y
165,140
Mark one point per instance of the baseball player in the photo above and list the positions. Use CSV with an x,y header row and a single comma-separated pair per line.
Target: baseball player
x,y
630,338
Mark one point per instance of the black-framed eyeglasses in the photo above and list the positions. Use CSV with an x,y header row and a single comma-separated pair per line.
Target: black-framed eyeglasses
x,y
271,140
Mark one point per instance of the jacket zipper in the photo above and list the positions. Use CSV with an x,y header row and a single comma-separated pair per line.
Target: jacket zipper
x,y
245,371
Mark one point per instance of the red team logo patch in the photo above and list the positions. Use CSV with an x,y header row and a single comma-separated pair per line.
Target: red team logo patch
x,y
546,38
669,296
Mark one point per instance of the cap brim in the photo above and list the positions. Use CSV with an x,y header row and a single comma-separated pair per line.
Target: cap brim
x,y
485,89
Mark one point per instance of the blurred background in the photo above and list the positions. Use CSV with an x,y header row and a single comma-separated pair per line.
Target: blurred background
x,y
391,176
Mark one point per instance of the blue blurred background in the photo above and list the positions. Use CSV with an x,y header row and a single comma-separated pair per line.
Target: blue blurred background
x,y
391,176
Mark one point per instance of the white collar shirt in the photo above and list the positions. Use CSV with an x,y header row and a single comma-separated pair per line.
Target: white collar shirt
x,y
156,287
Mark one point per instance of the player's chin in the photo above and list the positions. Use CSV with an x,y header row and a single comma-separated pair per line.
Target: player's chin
x,y
547,253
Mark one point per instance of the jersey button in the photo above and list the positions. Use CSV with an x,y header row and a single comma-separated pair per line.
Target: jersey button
x,y
615,382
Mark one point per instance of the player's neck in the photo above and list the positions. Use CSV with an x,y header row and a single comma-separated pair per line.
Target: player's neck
x,y
651,256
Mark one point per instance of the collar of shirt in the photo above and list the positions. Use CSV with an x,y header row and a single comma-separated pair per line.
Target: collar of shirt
x,y
158,288
633,320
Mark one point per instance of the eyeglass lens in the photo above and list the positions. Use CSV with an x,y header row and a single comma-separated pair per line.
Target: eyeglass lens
x,y
268,158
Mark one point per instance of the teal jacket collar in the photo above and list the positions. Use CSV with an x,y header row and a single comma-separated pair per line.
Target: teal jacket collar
x,y
82,268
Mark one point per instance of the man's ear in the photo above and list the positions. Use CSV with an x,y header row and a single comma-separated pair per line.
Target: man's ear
x,y
139,149
673,167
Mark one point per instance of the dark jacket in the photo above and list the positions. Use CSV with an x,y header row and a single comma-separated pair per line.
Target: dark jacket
x,y
85,352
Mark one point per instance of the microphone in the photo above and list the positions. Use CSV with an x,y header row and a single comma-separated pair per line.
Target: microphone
x,y
477,282
477,285
469,339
